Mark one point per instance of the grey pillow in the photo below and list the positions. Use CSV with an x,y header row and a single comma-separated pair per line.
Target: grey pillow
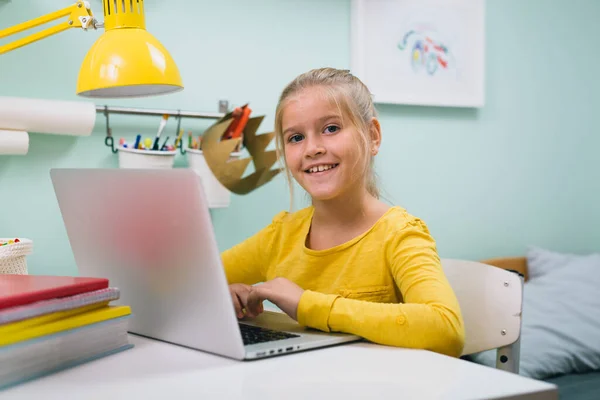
x,y
561,316
541,261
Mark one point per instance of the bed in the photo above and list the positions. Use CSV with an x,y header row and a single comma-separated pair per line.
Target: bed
x,y
560,337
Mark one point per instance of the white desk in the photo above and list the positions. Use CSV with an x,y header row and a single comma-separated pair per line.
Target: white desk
x,y
156,370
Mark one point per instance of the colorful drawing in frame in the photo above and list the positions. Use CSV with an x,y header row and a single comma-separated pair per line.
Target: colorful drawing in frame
x,y
426,54
420,52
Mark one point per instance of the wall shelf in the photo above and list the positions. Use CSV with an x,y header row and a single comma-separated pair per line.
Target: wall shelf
x,y
179,114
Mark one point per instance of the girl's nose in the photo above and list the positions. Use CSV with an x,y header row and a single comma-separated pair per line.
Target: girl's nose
x,y
314,147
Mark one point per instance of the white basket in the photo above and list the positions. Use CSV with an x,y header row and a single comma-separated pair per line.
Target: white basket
x,y
150,159
217,195
13,257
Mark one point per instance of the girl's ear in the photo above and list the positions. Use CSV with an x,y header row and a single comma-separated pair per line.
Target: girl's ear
x,y
375,136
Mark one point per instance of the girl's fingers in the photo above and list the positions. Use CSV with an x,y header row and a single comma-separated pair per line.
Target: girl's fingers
x,y
238,305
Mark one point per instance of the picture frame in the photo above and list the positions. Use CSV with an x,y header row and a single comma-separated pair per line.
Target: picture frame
x,y
420,52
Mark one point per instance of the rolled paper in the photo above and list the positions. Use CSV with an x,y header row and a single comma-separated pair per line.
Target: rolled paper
x,y
74,118
14,142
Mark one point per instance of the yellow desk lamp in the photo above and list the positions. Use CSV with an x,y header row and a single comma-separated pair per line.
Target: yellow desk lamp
x,y
126,61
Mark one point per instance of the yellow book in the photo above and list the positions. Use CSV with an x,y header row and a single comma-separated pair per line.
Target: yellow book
x,y
73,321
44,319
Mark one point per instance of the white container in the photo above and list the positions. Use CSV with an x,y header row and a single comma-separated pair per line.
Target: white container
x,y
151,159
217,195
13,257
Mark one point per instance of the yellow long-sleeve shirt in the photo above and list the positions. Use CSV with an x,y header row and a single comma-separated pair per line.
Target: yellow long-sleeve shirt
x,y
386,285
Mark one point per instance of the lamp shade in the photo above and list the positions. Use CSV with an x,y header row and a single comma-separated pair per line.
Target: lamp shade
x,y
127,61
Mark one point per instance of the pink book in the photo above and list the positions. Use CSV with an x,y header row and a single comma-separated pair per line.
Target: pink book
x,y
18,290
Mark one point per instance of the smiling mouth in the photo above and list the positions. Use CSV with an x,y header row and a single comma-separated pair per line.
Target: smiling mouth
x,y
320,168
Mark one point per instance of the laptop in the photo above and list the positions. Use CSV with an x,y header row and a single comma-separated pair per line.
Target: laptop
x,y
150,233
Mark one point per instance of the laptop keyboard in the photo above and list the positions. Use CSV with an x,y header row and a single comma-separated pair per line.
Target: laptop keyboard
x,y
254,334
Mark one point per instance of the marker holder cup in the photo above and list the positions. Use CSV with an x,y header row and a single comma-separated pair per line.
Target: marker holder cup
x,y
217,195
13,257
149,159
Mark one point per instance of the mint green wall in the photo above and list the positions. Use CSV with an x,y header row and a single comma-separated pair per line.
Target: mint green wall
x,y
523,170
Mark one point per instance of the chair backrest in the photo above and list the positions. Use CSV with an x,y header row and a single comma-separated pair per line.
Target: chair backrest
x,y
491,302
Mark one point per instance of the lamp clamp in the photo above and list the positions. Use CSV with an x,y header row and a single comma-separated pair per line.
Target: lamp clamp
x,y
90,22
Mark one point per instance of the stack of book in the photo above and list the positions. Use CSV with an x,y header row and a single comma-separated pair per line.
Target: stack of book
x,y
50,323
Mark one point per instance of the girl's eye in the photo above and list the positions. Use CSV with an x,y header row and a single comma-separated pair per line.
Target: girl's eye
x,y
332,129
295,138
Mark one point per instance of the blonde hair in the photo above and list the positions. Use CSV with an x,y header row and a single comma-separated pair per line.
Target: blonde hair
x,y
353,100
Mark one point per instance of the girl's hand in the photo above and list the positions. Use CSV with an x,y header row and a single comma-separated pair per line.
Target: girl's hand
x,y
239,294
282,292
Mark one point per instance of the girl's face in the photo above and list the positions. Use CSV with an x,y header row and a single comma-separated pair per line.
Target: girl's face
x,y
321,153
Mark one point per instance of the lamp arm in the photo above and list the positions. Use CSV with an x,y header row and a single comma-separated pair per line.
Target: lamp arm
x,y
80,16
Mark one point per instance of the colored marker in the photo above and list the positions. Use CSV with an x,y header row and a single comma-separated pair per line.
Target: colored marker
x,y
164,146
137,141
179,138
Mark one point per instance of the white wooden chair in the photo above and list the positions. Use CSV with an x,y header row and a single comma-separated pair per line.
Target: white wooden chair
x,y
491,300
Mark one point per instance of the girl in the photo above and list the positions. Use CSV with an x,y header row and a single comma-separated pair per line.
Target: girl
x,y
349,262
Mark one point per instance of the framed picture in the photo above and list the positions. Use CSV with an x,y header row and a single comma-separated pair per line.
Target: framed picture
x,y
420,52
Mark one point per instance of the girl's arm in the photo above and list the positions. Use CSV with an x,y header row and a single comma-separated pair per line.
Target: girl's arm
x,y
429,318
